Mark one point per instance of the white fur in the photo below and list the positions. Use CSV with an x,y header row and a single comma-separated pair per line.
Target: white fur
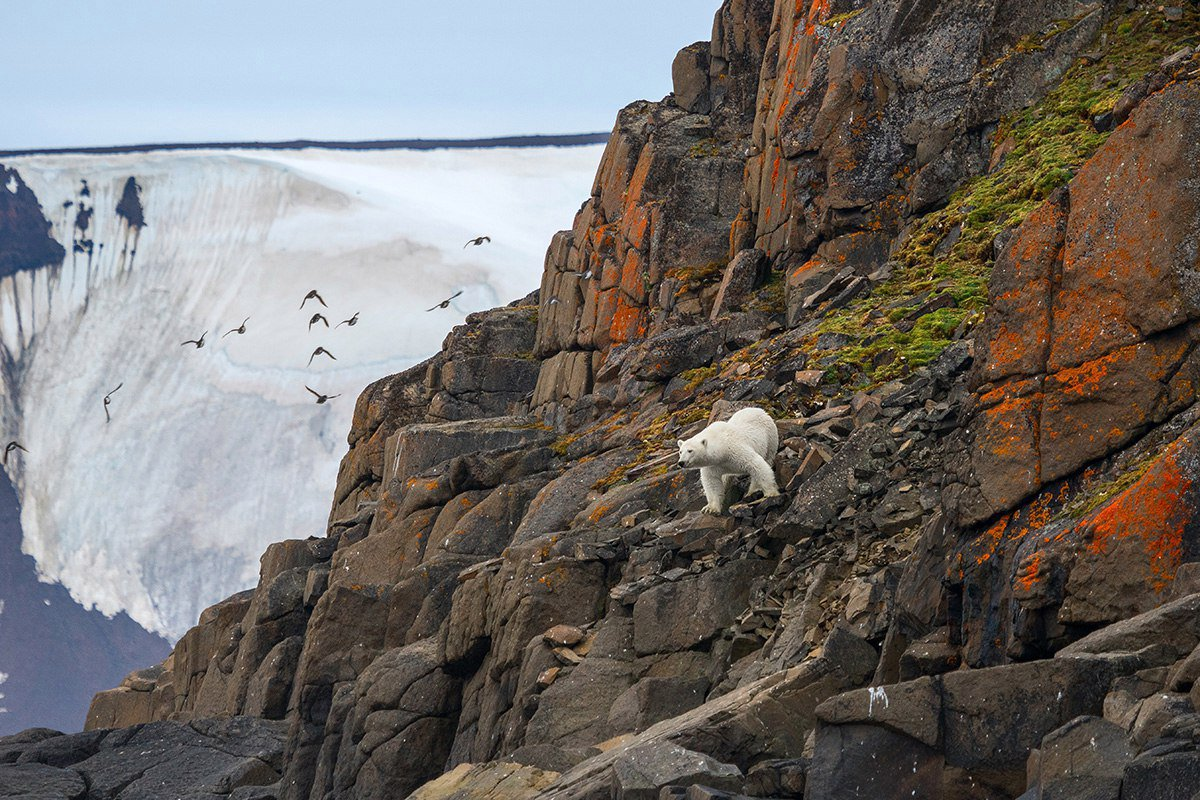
x,y
745,445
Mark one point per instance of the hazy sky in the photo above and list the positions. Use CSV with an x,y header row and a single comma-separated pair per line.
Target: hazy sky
x,y
95,72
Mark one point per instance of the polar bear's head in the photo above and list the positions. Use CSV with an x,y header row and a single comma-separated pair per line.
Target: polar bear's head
x,y
693,452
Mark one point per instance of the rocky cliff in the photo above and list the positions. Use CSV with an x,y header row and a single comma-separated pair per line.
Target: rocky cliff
x,y
953,248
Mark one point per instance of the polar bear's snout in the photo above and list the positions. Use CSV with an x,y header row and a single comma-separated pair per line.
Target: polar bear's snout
x,y
685,453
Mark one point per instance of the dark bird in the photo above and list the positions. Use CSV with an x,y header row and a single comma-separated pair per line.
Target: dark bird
x,y
320,351
108,399
13,445
321,398
312,295
317,318
351,322
445,303
478,240
198,342
240,329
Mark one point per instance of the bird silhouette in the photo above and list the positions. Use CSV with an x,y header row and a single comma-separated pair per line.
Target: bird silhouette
x,y
445,303
351,322
240,329
317,318
321,398
312,295
478,240
198,342
320,351
13,445
108,399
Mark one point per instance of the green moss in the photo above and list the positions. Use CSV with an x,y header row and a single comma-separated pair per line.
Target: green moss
x,y
1037,41
1097,497
697,376
771,298
696,277
1047,143
705,148
837,20
657,438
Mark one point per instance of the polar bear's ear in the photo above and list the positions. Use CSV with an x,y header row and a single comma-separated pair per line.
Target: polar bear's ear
x,y
704,442
679,442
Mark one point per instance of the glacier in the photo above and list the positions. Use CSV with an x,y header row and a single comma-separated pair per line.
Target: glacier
x,y
213,453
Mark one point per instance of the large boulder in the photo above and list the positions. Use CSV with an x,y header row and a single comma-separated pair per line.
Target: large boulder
x,y
1084,758
641,772
683,614
972,727
201,759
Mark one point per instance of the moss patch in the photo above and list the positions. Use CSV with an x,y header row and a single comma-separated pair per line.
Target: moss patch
x,y
694,377
838,20
694,278
1098,496
655,436
1048,143
705,148
771,298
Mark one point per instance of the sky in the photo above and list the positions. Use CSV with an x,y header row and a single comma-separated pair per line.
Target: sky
x,y
102,72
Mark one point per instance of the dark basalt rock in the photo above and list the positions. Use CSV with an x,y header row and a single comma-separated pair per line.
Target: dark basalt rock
x,y
203,759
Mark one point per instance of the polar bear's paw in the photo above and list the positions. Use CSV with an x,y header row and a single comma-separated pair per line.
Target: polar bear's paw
x,y
771,492
712,508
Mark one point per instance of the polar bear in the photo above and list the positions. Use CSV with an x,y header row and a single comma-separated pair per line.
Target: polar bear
x,y
745,445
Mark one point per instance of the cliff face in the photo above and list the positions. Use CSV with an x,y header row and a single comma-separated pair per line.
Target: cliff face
x,y
952,248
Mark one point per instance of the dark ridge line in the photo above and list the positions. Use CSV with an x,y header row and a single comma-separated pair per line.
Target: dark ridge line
x,y
539,140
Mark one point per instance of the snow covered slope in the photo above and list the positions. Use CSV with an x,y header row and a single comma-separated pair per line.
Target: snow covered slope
x,y
212,453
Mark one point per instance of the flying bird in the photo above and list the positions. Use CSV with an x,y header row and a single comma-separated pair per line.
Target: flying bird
x,y
478,240
198,342
321,398
13,445
240,329
351,322
445,303
320,351
317,318
108,399
312,295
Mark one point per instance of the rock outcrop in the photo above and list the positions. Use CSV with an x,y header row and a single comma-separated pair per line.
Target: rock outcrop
x,y
952,248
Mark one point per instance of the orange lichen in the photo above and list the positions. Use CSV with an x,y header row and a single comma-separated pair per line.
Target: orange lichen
x,y
1156,510
991,538
628,322
1030,572
636,224
818,13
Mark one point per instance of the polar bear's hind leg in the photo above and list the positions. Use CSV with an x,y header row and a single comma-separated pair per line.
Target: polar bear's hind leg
x,y
762,476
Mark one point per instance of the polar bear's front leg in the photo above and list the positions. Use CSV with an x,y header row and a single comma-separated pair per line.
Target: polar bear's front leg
x,y
762,476
714,490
